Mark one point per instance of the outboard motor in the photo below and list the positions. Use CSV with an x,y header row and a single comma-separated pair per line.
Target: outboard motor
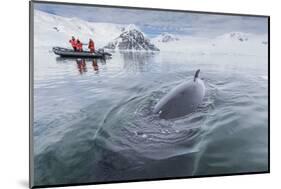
x,y
101,51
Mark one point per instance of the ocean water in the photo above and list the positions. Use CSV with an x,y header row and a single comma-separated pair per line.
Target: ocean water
x,y
93,119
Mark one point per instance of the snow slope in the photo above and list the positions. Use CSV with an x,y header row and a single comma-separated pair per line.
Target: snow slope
x,y
52,30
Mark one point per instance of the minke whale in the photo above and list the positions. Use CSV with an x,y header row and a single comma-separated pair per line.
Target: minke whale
x,y
181,100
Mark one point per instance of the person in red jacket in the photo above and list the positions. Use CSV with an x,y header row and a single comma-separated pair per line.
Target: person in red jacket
x,y
73,43
79,45
91,46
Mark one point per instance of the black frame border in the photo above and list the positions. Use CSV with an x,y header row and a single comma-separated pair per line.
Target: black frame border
x,y
31,94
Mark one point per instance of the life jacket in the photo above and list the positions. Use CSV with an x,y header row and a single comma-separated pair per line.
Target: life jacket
x,y
79,46
73,43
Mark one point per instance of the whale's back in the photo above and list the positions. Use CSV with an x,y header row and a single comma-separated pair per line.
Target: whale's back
x,y
182,100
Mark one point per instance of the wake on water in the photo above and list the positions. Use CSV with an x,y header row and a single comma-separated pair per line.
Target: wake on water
x,y
133,123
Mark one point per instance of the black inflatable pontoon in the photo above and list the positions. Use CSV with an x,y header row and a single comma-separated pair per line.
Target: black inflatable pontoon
x,y
64,52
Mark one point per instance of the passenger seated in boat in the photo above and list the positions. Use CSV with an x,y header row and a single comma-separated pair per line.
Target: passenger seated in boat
x,y
91,46
73,43
79,45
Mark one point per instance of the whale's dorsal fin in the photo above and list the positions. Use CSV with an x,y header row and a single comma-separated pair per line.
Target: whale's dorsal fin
x,y
196,75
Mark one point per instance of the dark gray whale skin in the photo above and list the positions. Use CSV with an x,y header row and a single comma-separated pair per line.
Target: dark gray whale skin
x,y
181,100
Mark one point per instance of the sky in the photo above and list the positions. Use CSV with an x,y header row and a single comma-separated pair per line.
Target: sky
x,y
154,22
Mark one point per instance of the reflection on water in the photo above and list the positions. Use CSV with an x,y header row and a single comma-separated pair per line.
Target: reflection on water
x,y
137,61
93,119
95,66
82,63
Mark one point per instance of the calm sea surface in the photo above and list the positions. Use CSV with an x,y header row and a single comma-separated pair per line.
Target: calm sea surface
x,y
93,120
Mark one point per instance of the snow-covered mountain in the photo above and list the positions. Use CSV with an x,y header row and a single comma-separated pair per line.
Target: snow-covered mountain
x,y
131,38
228,43
236,36
165,38
52,30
